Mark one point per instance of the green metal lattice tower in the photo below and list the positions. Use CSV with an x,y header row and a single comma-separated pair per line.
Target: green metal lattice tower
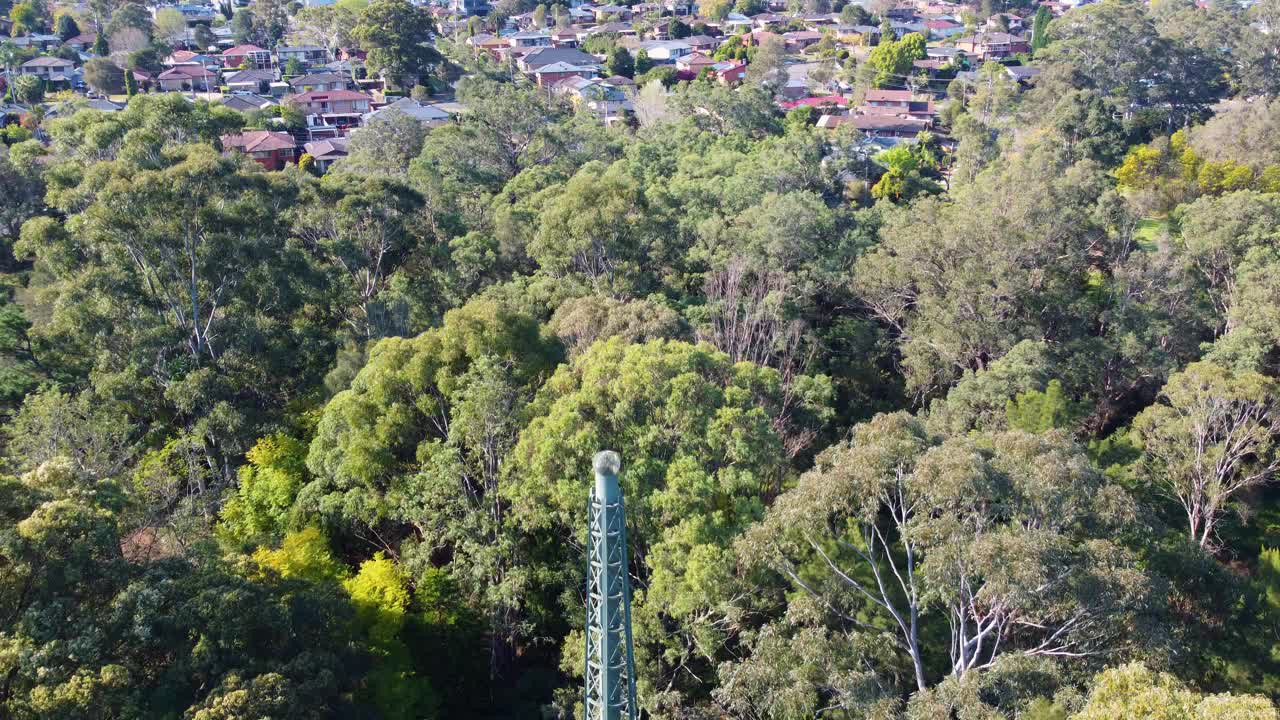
x,y
610,688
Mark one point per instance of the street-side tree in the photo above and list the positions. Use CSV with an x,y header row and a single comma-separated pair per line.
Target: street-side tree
x,y
171,25
395,33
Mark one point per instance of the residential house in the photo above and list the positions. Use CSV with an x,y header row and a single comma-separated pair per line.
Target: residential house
x,y
821,20
49,69
326,152
622,29
1024,75
938,7
694,63
321,81
567,38
336,108
759,37
702,43
188,57
430,116
942,28
82,42
470,7
604,13
308,55
799,40
930,67
546,56
733,22
942,52
1002,22
622,84
581,14
582,90
548,75
529,39
187,77
250,81
485,41
858,34
246,102
730,72
888,126
37,41
272,150
764,20
897,102
902,29
992,45
660,30
194,14
664,52
250,56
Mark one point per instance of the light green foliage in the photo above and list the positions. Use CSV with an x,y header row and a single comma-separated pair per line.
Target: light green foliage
x,y
605,244
26,19
705,457
381,597
268,485
171,25
93,625
304,555
1038,412
27,89
398,405
907,172
1133,691
892,59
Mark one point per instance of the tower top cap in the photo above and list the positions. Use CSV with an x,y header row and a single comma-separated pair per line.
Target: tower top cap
x,y
607,462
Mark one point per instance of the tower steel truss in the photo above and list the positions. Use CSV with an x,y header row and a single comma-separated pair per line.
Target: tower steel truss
x,y
610,691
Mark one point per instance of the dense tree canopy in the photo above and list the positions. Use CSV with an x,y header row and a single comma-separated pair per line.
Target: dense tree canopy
x,y
975,425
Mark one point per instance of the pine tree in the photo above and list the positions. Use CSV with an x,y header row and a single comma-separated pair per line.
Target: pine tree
x,y
1040,28
130,83
100,45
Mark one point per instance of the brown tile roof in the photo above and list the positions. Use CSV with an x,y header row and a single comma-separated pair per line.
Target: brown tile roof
x,y
259,141
322,95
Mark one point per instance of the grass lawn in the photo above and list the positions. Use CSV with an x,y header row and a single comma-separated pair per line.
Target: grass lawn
x,y
1149,232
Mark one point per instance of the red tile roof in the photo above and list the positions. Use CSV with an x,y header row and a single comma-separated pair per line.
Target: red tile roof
x,y
241,50
259,141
